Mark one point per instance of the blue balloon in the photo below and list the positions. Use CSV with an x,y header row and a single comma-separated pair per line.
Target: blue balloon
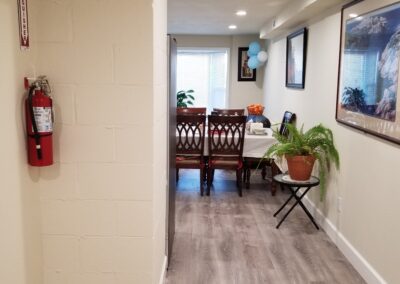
x,y
253,62
254,48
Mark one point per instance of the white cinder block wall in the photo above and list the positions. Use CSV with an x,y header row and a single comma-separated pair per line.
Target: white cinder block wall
x,y
103,202
367,180
160,97
20,240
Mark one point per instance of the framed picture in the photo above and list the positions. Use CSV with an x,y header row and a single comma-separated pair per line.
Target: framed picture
x,y
369,68
296,52
244,72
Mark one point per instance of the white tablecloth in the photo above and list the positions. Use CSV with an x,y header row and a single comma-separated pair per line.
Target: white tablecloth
x,y
254,146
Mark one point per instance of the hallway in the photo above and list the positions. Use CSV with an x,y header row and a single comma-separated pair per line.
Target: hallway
x,y
227,239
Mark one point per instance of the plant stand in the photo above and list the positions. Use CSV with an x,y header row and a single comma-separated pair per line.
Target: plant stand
x,y
295,187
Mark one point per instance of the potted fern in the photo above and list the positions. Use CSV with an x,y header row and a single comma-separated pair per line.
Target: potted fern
x,y
301,149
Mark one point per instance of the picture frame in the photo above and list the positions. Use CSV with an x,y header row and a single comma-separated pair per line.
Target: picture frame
x,y
368,87
296,57
244,72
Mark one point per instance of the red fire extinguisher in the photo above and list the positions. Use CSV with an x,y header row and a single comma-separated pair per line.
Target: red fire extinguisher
x,y
39,122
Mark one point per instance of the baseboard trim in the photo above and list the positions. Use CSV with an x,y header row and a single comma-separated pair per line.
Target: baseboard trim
x,y
363,267
163,271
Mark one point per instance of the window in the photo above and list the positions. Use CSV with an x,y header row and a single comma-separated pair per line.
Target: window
x,y
206,72
361,72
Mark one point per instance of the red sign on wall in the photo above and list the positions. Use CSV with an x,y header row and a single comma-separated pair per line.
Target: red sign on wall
x,y
23,23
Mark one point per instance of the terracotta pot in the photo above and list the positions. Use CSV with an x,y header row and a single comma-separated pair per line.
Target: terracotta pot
x,y
300,167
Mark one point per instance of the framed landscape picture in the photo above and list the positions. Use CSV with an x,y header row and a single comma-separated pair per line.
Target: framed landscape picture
x,y
369,68
296,52
244,72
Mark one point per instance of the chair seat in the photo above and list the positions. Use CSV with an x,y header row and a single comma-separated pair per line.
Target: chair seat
x,y
189,160
217,131
226,162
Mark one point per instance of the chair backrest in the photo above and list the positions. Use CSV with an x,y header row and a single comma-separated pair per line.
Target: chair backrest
x,y
232,111
288,118
226,135
191,110
190,130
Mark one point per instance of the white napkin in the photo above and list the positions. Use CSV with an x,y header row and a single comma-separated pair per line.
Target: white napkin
x,y
255,125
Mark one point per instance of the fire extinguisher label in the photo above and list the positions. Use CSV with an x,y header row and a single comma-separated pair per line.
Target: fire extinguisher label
x,y
43,118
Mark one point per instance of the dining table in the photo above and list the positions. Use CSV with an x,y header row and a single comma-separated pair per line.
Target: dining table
x,y
255,146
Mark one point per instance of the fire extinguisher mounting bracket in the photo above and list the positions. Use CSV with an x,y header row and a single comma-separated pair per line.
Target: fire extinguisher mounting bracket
x,y
41,82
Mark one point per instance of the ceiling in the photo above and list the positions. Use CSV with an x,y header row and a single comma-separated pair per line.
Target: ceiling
x,y
212,17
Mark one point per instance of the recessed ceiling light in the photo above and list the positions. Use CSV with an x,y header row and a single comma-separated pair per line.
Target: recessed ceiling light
x,y
241,13
232,27
353,15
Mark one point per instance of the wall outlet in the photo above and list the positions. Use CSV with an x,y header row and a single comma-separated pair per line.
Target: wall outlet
x,y
340,204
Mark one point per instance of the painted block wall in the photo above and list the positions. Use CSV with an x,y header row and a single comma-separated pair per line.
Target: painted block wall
x,y
241,94
160,136
102,203
20,239
367,180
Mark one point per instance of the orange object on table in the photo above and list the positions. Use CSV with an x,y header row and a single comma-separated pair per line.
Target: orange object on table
x,y
255,109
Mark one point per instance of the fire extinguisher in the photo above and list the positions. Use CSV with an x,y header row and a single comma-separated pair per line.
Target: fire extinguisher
x,y
39,122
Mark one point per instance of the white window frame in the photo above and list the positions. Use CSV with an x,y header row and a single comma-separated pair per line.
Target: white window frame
x,y
228,65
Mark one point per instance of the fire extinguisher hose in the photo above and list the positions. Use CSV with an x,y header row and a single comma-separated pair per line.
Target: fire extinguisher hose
x,y
36,134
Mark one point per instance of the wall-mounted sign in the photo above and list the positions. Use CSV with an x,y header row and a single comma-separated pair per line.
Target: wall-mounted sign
x,y
23,23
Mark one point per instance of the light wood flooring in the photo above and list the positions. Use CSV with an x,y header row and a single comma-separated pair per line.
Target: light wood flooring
x,y
223,238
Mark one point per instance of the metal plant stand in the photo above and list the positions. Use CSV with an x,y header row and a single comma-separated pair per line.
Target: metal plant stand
x,y
295,187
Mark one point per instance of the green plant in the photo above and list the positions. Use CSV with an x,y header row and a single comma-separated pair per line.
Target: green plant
x,y
317,141
353,99
184,98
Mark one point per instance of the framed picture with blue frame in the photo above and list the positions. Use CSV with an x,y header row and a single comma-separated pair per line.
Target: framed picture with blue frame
x,y
369,68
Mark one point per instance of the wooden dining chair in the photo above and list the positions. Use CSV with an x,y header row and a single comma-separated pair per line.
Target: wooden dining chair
x,y
253,163
190,136
225,146
232,111
191,110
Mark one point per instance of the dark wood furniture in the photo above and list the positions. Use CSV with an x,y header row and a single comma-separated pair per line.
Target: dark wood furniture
x,y
190,144
253,163
191,110
225,146
232,111
295,186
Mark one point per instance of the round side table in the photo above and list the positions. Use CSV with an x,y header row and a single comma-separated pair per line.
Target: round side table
x,y
295,186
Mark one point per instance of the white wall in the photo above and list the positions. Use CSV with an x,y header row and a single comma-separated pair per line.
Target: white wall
x,y
367,179
160,136
241,94
20,242
103,202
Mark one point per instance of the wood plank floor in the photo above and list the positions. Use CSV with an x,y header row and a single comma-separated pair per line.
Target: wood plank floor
x,y
227,239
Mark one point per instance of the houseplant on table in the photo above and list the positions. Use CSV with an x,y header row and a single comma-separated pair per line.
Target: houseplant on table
x,y
301,149
184,98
